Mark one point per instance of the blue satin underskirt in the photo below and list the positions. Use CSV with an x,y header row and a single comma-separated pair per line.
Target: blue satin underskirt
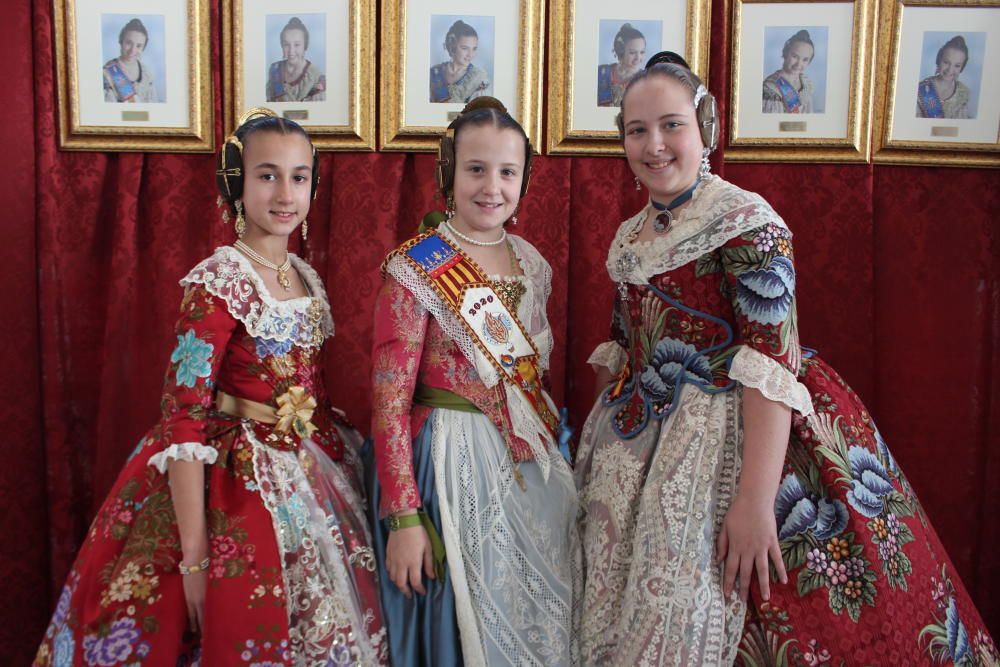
x,y
423,631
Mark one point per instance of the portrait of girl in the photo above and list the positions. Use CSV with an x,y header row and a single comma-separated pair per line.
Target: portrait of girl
x,y
788,54
467,45
133,50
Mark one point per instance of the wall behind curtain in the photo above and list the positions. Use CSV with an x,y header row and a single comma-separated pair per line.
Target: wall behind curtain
x,y
898,288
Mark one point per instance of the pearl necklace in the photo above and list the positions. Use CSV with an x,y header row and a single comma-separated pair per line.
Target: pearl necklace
x,y
263,261
484,244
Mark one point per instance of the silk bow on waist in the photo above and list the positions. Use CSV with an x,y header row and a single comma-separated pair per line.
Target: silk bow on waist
x,y
295,411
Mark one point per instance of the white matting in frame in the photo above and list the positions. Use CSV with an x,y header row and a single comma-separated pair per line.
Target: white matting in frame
x,y
329,29
167,27
925,29
497,23
670,16
761,19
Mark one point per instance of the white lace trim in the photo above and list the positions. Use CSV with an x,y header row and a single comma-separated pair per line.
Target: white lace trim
x,y
752,368
610,355
230,276
183,451
719,212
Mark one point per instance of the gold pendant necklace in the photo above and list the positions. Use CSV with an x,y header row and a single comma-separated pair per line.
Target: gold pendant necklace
x,y
282,269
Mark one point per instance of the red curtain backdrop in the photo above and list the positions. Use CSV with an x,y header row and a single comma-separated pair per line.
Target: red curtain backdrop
x,y
898,288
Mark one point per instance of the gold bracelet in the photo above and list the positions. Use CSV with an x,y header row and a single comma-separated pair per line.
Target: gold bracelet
x,y
194,569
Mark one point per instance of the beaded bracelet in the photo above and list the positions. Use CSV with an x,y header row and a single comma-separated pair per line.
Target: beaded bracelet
x,y
194,569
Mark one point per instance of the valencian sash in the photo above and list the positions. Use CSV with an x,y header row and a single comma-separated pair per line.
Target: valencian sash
x,y
789,95
929,100
495,330
123,86
277,82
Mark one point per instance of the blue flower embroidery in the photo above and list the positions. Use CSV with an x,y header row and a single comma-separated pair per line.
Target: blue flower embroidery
x,y
293,516
958,637
797,512
765,295
62,648
670,359
871,482
191,356
114,647
267,347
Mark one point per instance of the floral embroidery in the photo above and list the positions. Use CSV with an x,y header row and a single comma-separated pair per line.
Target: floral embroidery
x,y
192,356
947,637
765,295
63,648
231,556
267,347
106,650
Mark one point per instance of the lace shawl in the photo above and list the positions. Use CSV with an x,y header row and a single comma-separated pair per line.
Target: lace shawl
x,y
230,276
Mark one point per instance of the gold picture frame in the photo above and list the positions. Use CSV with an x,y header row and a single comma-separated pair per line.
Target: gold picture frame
x,y
412,115
334,96
827,116
581,109
166,107
965,134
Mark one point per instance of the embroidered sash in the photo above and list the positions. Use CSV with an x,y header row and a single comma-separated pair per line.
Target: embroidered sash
x,y
277,82
123,86
789,95
929,100
495,330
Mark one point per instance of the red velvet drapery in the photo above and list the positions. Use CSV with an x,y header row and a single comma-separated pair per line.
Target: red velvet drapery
x,y
899,287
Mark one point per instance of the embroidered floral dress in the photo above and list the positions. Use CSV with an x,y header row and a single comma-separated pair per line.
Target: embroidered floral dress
x,y
487,473
702,312
292,577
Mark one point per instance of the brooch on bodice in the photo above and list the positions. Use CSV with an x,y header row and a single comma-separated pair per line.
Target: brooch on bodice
x,y
510,291
627,261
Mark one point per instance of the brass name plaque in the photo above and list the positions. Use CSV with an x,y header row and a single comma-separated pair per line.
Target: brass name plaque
x,y
792,126
135,115
944,131
296,114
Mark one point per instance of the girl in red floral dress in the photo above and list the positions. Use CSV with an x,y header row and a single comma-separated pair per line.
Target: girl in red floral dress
x,y
724,453
236,532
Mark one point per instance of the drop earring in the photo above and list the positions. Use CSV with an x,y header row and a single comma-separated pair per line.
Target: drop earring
x,y
305,229
706,167
241,222
449,209
638,185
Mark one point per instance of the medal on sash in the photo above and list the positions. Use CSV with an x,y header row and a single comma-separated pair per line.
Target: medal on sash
x,y
496,331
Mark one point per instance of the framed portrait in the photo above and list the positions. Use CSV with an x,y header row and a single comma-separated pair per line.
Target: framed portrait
x,y
801,74
133,78
594,49
938,85
437,55
311,61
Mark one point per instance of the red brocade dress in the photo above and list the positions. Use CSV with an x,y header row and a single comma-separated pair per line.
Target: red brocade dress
x,y
703,311
292,577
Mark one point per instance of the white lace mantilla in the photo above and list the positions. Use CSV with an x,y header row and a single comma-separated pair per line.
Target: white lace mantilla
x,y
754,369
719,212
230,276
538,279
183,451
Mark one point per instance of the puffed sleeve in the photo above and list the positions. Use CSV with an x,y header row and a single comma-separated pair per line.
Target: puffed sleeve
x,y
203,332
612,354
760,278
398,342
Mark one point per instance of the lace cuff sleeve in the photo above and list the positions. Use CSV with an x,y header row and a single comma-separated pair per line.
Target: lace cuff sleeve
x,y
185,451
754,369
610,355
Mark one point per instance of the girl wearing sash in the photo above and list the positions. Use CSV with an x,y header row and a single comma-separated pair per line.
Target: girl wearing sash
x,y
236,533
719,448
477,548
943,95
126,78
789,90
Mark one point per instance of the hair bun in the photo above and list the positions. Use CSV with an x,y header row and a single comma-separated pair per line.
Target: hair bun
x,y
668,57
485,102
